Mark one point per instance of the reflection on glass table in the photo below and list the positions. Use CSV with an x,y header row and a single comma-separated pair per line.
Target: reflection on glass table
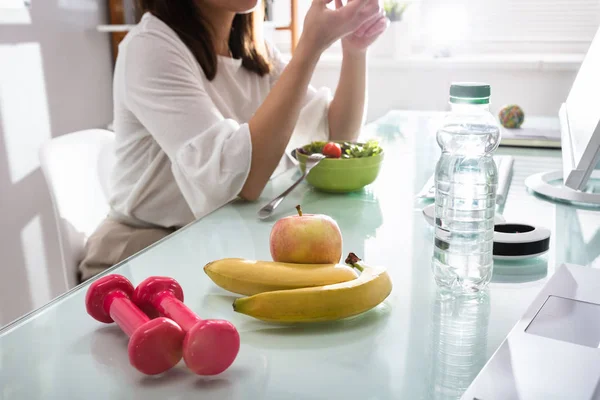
x,y
458,343
580,231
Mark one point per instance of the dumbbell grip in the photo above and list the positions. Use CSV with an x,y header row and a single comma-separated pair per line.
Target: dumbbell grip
x,y
122,310
169,306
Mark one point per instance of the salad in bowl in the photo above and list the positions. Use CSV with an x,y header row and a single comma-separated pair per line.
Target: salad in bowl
x,y
349,166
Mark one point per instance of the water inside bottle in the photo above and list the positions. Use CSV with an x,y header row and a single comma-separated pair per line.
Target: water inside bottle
x,y
466,181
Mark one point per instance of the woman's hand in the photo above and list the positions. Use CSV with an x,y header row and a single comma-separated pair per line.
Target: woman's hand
x,y
359,40
323,26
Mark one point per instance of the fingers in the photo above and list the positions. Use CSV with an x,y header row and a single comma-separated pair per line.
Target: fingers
x,y
338,4
368,23
377,27
359,12
371,7
352,9
321,3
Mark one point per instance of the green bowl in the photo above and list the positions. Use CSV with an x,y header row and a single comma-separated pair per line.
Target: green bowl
x,y
339,175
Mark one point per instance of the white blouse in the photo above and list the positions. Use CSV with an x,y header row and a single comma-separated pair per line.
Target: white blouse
x,y
183,144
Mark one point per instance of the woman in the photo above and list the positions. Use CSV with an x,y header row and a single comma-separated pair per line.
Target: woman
x,y
204,111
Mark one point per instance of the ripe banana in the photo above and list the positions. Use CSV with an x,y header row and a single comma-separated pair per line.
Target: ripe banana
x,y
326,303
249,277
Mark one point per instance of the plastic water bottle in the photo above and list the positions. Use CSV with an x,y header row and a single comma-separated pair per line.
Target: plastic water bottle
x,y
465,181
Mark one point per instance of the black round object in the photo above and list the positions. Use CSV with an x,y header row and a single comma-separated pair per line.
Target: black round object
x,y
513,228
520,241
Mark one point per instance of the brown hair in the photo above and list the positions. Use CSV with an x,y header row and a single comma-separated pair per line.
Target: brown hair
x,y
185,18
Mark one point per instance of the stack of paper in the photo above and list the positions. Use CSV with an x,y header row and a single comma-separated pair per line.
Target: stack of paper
x,y
535,132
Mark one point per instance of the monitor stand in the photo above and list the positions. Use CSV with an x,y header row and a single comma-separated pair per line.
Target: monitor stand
x,y
541,183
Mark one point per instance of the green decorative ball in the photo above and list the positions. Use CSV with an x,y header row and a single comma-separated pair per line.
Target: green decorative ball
x,y
511,116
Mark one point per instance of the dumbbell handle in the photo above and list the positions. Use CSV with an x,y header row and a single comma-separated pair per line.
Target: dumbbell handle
x,y
169,306
122,310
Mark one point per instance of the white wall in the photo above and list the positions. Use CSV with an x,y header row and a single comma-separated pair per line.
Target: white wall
x,y
423,85
55,77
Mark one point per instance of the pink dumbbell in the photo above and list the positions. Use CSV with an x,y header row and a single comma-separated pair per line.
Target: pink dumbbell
x,y
210,346
154,345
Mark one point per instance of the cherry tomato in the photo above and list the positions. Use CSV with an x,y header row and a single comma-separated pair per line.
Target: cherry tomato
x,y
332,150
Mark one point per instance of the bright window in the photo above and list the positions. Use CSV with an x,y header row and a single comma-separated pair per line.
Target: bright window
x,y
12,4
492,26
15,12
556,26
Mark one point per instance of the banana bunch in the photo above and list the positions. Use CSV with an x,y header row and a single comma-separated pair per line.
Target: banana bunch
x,y
280,292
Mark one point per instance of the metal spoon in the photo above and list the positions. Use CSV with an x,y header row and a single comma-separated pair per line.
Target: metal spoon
x,y
312,161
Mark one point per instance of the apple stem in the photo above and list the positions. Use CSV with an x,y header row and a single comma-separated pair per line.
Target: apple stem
x,y
299,210
354,262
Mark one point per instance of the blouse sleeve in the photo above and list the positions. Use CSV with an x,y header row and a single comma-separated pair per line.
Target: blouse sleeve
x,y
210,154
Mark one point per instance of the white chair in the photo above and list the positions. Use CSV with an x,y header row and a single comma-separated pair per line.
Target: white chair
x,y
76,167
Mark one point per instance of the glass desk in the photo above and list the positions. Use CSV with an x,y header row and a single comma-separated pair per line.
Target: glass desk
x,y
416,345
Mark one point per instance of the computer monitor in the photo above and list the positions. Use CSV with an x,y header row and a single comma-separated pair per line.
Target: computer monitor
x,y
580,137
580,121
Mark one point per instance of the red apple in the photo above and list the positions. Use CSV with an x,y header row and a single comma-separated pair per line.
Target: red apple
x,y
306,239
